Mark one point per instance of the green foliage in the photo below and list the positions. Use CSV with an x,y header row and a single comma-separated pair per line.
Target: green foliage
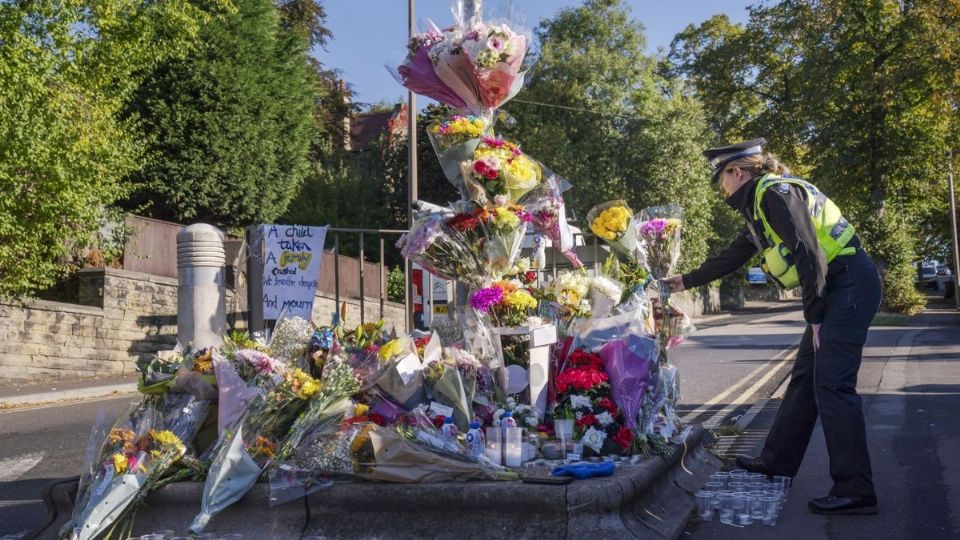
x,y
66,69
396,288
634,134
859,96
229,127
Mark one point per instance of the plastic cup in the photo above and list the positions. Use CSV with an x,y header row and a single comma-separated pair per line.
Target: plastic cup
x,y
705,504
514,447
725,503
745,519
714,486
756,486
492,445
786,481
720,477
739,487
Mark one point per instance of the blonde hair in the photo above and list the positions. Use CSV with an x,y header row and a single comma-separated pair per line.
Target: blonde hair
x,y
760,164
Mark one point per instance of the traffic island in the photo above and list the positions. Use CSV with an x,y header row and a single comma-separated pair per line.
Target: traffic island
x,y
652,499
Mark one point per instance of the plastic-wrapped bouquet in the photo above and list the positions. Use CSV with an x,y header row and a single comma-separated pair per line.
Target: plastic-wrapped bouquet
x,y
613,221
132,459
505,302
455,139
659,233
480,62
244,451
549,215
498,167
441,250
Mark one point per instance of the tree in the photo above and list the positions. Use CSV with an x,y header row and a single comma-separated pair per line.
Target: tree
x,y
66,70
861,95
611,124
229,128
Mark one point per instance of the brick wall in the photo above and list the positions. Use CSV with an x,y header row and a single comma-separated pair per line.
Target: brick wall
x,y
121,317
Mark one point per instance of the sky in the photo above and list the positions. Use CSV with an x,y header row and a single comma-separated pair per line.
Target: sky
x,y
370,33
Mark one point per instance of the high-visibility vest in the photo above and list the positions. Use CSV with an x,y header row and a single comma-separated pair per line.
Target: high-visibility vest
x,y
833,231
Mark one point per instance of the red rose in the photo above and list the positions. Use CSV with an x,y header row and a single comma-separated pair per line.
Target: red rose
x,y
491,174
438,420
377,419
608,404
586,420
624,438
479,167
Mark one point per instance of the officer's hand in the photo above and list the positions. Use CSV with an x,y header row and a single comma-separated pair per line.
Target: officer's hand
x,y
675,283
816,335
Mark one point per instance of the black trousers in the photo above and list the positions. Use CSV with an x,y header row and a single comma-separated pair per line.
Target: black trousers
x,y
824,382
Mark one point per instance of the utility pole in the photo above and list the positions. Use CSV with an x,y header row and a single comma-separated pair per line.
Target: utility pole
x,y
953,232
412,195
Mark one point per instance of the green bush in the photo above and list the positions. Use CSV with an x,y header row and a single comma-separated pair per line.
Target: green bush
x,y
396,290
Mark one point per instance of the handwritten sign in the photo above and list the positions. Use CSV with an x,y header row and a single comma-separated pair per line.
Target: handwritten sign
x,y
291,269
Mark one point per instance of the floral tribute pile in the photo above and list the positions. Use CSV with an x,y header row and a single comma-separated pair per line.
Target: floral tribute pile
x,y
308,405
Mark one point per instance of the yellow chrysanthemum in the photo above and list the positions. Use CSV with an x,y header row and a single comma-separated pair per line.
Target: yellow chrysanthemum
x,y
520,299
360,409
393,348
167,438
505,219
120,463
611,223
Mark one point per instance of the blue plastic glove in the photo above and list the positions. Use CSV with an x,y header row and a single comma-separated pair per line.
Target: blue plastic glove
x,y
581,471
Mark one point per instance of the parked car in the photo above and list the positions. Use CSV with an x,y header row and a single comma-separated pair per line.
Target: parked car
x,y
943,271
928,272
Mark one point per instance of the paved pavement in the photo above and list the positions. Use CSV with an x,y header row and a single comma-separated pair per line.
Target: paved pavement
x,y
910,383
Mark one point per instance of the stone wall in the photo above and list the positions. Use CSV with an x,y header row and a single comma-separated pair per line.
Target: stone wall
x,y
121,317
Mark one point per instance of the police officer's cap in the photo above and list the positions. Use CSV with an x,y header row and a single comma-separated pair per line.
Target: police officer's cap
x,y
719,157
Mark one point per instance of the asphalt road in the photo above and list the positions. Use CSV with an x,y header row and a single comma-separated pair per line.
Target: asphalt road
x,y
728,361
910,385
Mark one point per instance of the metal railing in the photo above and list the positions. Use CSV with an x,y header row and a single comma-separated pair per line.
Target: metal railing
x,y
362,235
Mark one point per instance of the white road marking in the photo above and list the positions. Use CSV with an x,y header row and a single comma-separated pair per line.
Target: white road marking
x,y
773,366
13,468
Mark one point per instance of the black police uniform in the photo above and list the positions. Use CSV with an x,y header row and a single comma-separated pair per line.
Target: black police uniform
x,y
843,297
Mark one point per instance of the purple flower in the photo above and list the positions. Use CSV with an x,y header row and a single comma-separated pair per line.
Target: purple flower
x,y
653,227
420,238
486,298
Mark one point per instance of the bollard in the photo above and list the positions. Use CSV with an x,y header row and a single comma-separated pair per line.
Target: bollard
x,y
201,297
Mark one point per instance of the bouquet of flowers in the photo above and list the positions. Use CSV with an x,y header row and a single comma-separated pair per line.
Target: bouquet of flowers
x,y
505,302
583,390
455,139
628,361
659,232
605,293
441,250
327,408
417,73
613,221
400,386
131,461
243,452
569,291
479,62
549,216
498,168
449,387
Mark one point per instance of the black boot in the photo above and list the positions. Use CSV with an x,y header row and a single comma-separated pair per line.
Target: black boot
x,y
754,465
832,505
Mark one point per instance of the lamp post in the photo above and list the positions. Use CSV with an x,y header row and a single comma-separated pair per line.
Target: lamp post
x,y
953,233
412,195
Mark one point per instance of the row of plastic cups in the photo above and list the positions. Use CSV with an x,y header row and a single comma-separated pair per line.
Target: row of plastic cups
x,y
744,508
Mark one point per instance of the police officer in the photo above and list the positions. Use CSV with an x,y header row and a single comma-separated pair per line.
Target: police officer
x,y
804,241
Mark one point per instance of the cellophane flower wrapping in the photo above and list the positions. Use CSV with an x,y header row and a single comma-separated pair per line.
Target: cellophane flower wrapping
x,y
548,214
498,168
614,223
417,73
401,382
494,235
605,294
659,233
327,408
132,457
629,361
481,63
441,250
584,395
455,139
242,453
